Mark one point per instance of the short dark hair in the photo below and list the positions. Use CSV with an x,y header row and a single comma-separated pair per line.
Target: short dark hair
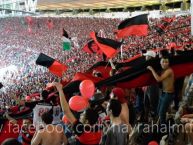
x,y
45,94
91,116
47,117
11,141
115,107
166,57
164,53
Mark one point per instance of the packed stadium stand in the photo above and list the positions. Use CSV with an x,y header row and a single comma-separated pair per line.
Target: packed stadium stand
x,y
65,72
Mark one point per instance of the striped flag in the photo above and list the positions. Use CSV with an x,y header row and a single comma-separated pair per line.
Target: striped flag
x,y
54,66
135,26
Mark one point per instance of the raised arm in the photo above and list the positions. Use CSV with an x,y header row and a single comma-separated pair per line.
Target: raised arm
x,y
64,103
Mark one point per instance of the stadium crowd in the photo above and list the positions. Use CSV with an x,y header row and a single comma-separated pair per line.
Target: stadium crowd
x,y
21,42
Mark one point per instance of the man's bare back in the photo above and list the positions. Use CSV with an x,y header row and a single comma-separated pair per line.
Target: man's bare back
x,y
50,135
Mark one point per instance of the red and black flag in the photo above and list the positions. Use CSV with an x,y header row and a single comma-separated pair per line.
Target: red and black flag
x,y
139,76
91,47
53,65
168,20
107,46
135,26
161,28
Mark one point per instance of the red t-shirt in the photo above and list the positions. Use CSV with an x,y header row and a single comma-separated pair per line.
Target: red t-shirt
x,y
87,135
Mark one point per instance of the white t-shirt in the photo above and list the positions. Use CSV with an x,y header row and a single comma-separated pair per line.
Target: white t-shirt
x,y
40,109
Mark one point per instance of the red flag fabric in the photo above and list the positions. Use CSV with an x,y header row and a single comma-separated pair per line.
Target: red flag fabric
x,y
91,47
57,68
107,46
64,33
53,65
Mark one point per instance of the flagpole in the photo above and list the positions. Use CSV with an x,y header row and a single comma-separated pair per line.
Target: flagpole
x,y
112,65
107,64
191,11
121,52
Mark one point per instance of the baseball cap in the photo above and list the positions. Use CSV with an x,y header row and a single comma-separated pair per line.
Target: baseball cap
x,y
150,53
120,94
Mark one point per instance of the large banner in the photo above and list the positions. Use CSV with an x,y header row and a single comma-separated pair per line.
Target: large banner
x,y
40,109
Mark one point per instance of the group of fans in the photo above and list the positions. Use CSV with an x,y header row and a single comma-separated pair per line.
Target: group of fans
x,y
114,116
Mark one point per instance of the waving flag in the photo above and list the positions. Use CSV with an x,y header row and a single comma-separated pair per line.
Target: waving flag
x,y
107,46
135,26
66,42
54,66
161,28
91,47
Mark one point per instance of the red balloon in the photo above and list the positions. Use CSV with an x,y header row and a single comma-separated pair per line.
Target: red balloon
x,y
153,143
87,88
27,98
78,103
65,119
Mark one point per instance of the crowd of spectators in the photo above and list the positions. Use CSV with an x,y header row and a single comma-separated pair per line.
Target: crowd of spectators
x,y
21,42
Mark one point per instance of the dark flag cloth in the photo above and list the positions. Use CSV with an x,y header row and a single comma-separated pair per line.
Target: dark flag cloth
x,y
135,26
65,34
1,85
136,76
54,66
107,46
139,76
91,47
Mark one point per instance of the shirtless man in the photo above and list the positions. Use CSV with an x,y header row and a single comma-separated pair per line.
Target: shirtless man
x,y
167,79
51,134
